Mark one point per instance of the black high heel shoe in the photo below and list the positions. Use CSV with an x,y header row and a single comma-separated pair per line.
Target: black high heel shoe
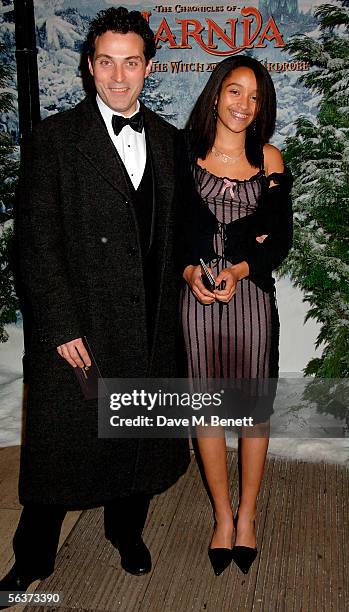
x,y
243,556
220,559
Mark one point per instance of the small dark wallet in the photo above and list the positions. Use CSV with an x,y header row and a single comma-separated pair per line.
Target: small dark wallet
x,y
88,375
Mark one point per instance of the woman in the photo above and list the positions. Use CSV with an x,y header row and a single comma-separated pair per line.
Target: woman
x,y
238,220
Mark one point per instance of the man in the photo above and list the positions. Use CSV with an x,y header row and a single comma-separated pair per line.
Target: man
x,y
95,229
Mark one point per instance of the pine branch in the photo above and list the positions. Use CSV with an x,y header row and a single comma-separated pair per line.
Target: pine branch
x,y
332,16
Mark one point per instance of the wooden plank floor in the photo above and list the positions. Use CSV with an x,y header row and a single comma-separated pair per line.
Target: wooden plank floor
x,y
302,565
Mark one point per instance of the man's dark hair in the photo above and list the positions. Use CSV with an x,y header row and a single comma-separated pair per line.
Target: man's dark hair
x,y
202,122
123,21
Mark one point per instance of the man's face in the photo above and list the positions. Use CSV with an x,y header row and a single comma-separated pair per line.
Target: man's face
x,y
119,69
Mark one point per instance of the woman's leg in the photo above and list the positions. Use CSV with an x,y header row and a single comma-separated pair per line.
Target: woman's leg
x,y
213,454
253,453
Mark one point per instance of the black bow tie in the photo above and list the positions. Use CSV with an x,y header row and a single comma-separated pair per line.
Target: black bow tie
x,y
119,122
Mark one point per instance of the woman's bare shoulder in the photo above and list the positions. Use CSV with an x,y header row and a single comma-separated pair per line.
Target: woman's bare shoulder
x,y
273,161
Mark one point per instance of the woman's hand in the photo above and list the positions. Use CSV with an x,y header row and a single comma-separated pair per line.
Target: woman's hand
x,y
192,275
231,276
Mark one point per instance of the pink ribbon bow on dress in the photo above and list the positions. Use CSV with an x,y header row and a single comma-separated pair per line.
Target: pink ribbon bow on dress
x,y
228,185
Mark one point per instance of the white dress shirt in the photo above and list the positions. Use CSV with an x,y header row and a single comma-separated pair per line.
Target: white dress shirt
x,y
130,144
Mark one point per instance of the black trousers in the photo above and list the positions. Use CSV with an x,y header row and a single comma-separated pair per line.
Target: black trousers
x,y
36,539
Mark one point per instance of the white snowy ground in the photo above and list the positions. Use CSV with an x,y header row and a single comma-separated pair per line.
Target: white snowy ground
x,y
296,348
11,387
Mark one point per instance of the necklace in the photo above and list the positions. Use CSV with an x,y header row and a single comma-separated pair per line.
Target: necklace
x,y
224,157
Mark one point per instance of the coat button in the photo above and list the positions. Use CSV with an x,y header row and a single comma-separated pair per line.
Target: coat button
x,y
134,299
131,251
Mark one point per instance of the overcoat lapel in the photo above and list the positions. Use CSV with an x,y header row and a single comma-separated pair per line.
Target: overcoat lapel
x,y
96,146
162,156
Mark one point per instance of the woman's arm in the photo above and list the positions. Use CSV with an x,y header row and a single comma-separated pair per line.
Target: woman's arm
x,y
273,165
266,256
273,161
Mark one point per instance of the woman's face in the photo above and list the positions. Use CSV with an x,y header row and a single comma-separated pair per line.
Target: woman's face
x,y
237,102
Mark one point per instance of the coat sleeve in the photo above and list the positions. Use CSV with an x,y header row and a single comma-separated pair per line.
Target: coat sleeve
x,y
195,224
265,257
41,258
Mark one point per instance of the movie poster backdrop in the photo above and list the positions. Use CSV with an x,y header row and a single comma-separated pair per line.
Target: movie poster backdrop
x,y
192,36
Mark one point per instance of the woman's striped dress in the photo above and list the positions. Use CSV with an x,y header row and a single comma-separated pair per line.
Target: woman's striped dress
x,y
231,340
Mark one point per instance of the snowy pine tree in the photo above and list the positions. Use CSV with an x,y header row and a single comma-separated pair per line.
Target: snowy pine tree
x,y
8,179
319,158
156,99
59,34
53,31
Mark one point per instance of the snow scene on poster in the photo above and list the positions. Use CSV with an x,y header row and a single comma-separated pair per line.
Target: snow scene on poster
x,y
191,37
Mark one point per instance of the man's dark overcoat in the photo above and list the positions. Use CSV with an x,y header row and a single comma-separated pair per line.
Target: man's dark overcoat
x,y
82,271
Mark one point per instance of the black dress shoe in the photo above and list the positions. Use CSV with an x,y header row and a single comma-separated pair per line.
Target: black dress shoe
x,y
14,581
220,559
135,556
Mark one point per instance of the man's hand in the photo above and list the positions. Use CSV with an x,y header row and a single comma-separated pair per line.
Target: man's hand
x,y
69,352
231,276
192,275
